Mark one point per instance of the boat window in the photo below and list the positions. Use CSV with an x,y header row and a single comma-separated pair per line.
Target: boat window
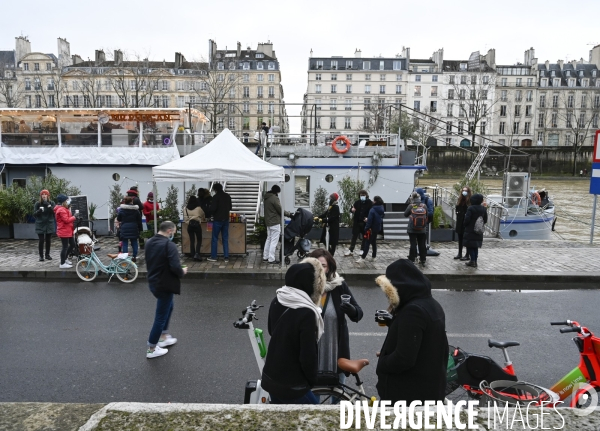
x,y
301,191
287,178
20,182
329,178
116,177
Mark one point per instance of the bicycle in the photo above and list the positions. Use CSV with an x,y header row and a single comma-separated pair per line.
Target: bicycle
x,y
87,267
583,382
255,394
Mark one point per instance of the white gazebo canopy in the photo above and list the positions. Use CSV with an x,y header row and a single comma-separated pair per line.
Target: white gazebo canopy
x,y
225,158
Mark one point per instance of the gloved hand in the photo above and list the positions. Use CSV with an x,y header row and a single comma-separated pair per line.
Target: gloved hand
x,y
383,318
349,309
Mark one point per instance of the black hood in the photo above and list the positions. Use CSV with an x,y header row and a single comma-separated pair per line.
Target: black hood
x,y
476,199
403,282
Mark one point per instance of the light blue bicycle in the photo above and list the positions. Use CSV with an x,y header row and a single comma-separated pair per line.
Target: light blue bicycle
x,y
88,266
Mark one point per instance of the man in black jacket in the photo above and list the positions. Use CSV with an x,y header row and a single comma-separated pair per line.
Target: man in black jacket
x,y
162,255
360,213
220,208
295,326
413,360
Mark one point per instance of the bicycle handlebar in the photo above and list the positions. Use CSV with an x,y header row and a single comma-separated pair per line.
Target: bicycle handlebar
x,y
573,329
563,323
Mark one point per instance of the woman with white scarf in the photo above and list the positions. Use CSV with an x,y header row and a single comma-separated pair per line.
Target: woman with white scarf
x,y
295,326
335,342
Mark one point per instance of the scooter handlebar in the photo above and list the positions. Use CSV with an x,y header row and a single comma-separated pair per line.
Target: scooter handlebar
x,y
567,330
563,323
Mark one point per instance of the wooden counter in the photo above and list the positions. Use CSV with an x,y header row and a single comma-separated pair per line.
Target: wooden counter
x,y
237,239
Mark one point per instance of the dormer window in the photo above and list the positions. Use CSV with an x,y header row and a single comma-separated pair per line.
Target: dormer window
x,y
220,65
581,73
463,66
553,74
260,55
568,73
594,73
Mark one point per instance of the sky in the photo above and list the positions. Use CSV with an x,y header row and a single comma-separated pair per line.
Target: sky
x,y
158,29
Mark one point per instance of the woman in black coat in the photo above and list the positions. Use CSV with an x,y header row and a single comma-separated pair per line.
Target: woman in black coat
x,y
130,221
45,224
414,356
335,342
473,240
331,219
461,209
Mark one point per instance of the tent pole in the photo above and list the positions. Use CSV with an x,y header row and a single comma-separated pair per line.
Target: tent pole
x,y
282,225
154,204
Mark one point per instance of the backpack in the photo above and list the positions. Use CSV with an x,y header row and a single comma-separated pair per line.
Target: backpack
x,y
479,227
418,217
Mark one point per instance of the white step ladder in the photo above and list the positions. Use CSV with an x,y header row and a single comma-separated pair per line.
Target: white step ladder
x,y
394,226
478,161
245,199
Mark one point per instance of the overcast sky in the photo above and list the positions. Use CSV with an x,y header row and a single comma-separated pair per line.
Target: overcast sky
x,y
157,29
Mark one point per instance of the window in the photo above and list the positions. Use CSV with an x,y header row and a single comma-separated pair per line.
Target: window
x,y
544,82
165,85
366,122
472,94
451,79
530,82
519,82
318,88
381,65
461,110
571,83
367,77
367,89
463,79
471,110
348,77
540,120
246,65
595,120
246,107
433,106
555,101
347,123
527,129
503,110
28,101
180,101
570,100
516,128
434,78
434,91
36,66
449,127
397,65
584,100
518,96
271,107
517,110
382,77
37,84
596,101
382,89
246,92
581,121
529,96
461,94
259,55
367,65
261,66
334,76
542,101
333,104
348,89
271,91
554,120
417,90
348,64
417,78
319,64
450,94
259,91
450,108
334,88
398,89
246,124
232,124
271,77
220,65
556,82
259,107
448,141
501,128
348,105
232,93
28,84
334,64
180,85
417,105
540,137
260,77
332,122
367,104
25,66
317,77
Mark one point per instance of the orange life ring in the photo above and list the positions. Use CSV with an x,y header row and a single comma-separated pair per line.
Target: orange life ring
x,y
338,149
536,199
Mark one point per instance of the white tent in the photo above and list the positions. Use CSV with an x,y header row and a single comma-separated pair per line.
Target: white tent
x,y
224,159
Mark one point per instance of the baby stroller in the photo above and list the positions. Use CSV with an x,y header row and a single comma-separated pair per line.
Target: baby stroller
x,y
84,240
301,224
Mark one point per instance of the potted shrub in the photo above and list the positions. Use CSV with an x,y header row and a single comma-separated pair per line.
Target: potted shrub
x,y
259,236
441,230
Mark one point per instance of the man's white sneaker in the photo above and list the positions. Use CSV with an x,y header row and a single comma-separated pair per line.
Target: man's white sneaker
x,y
158,351
348,253
65,266
168,341
360,259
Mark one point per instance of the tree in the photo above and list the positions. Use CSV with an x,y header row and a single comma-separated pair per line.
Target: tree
x,y
509,112
134,82
319,205
217,88
405,124
348,190
424,127
51,88
11,89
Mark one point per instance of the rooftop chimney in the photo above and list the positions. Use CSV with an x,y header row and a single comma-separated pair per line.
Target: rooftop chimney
x,y
118,57
22,47
560,64
357,53
179,59
547,65
239,50
64,53
76,59
100,57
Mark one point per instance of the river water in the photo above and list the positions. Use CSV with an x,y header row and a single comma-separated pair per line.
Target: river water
x,y
572,200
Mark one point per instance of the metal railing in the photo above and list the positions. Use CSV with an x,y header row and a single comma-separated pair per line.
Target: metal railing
x,y
158,140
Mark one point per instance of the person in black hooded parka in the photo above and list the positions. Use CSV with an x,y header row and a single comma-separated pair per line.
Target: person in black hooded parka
x,y
471,239
413,360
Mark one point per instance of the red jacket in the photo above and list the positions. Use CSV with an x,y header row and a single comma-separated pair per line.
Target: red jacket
x,y
64,221
149,210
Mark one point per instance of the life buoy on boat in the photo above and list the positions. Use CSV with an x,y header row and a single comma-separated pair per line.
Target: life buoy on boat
x,y
536,199
338,149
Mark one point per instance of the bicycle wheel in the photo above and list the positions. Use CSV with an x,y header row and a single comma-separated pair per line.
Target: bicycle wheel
x,y
127,271
86,269
326,394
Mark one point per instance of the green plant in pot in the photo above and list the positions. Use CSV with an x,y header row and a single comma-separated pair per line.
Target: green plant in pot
x,y
439,218
348,191
259,236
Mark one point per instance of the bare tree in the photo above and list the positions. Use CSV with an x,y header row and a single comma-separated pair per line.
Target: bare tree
x,y
11,89
51,87
510,114
134,82
218,89
426,127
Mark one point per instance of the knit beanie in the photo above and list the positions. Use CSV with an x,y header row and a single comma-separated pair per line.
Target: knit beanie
x,y
476,199
307,276
334,196
275,189
150,195
61,198
45,192
132,192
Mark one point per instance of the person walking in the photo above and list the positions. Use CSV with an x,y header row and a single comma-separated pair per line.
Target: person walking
x,y
148,208
414,356
373,226
475,219
43,211
164,274
336,303
130,226
295,326
220,208
273,222
64,229
262,137
134,193
331,222
360,212
461,209
193,215
417,228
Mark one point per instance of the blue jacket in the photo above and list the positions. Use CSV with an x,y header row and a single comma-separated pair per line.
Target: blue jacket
x,y
131,221
375,219
427,201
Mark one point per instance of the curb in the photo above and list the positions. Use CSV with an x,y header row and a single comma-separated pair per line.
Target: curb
x,y
557,281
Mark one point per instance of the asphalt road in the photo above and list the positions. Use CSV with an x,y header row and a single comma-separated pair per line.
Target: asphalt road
x,y
86,342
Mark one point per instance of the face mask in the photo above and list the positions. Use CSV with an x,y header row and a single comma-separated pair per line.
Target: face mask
x,y
465,193
213,193
172,236
69,202
150,200
363,198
